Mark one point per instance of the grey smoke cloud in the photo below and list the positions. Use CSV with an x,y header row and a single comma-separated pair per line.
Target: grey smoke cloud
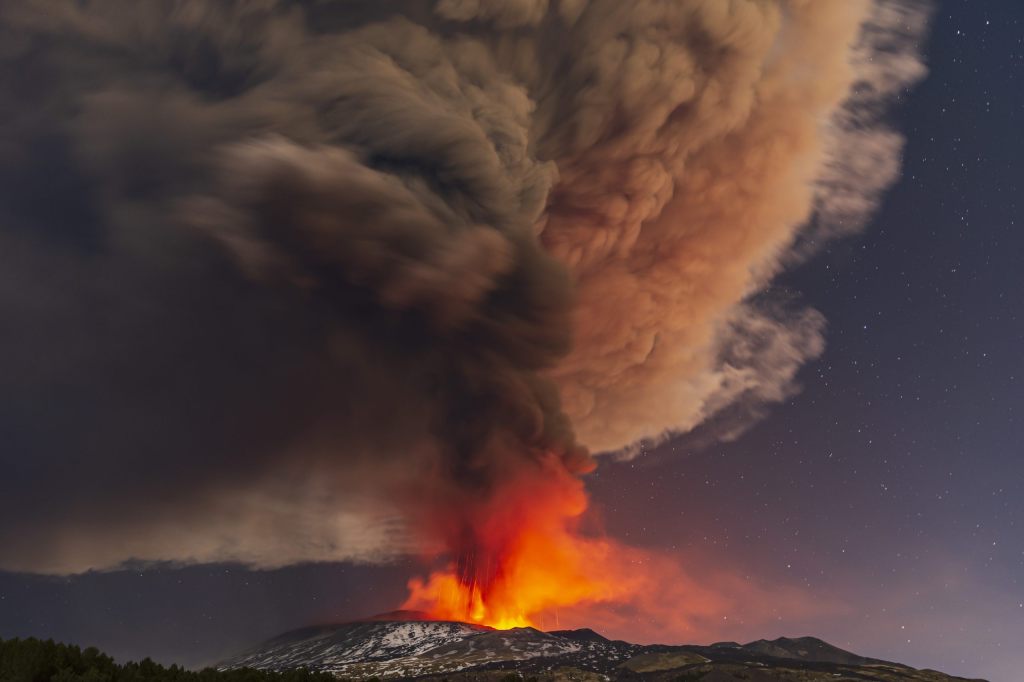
x,y
279,276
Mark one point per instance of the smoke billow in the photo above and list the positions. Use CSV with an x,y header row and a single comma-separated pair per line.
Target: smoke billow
x,y
293,281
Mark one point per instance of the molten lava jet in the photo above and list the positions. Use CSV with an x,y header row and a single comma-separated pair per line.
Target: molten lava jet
x,y
520,556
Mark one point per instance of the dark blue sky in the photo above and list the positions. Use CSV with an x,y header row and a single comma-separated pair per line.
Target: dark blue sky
x,y
895,479
893,483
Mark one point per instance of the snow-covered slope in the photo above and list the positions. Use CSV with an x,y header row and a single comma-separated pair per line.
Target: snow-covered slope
x,y
334,648
393,646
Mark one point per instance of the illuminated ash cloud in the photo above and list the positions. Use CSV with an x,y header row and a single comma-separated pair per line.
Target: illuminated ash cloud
x,y
283,277
694,141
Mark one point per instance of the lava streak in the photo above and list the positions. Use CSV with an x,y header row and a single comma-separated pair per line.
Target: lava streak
x,y
520,556
526,555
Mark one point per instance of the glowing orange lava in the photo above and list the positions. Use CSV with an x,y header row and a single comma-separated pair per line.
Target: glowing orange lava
x,y
521,558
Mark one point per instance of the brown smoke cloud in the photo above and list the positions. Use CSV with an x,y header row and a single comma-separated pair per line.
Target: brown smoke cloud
x,y
282,275
721,145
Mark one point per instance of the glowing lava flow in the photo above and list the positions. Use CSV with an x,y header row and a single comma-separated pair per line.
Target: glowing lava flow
x,y
520,557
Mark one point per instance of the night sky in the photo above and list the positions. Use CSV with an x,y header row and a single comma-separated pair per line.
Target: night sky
x,y
890,487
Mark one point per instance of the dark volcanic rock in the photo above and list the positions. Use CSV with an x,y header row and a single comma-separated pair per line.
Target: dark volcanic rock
x,y
807,649
581,635
399,646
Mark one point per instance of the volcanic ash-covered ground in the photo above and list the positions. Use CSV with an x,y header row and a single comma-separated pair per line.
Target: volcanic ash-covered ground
x,y
401,647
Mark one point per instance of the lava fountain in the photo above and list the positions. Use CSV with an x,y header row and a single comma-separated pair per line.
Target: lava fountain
x,y
521,555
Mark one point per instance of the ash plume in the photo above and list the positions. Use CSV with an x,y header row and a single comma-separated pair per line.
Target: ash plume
x,y
301,281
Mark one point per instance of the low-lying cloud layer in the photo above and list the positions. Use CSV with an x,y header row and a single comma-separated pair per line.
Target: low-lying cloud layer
x,y
280,277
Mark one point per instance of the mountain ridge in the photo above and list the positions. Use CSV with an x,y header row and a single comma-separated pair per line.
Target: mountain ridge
x,y
400,646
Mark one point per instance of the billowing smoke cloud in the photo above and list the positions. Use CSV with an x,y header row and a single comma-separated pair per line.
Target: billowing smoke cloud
x,y
281,278
730,136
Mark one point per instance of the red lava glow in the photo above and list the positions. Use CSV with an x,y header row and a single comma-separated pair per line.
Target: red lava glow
x,y
521,557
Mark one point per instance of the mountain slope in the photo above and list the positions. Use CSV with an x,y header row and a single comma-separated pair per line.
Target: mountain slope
x,y
334,648
807,649
392,646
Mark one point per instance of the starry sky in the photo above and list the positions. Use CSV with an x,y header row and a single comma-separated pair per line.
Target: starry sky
x,y
892,484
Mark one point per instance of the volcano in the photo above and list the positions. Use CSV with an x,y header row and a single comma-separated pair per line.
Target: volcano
x,y
406,645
